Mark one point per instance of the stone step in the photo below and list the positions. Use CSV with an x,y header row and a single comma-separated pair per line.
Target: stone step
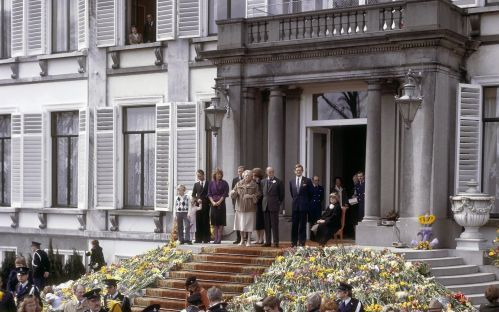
x,y
212,276
166,303
473,278
469,289
245,251
441,262
455,270
226,268
224,286
176,293
477,299
231,259
424,254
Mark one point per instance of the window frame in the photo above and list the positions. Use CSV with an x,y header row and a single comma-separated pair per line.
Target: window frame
x,y
2,179
53,140
485,121
125,132
50,29
5,34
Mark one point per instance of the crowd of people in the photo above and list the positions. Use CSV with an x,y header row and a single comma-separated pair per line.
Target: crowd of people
x,y
257,198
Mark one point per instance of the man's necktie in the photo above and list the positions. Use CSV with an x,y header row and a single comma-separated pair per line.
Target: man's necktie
x,y
342,306
298,185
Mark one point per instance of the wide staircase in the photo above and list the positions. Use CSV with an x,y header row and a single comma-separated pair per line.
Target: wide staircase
x,y
453,273
229,268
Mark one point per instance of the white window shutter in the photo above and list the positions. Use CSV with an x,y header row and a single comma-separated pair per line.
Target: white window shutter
x,y
83,156
105,158
33,160
82,31
36,33
106,23
189,18
163,152
469,136
256,8
17,27
165,19
186,143
16,143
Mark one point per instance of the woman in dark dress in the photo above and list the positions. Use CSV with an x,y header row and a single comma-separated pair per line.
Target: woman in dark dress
x,y
331,221
260,224
96,257
218,190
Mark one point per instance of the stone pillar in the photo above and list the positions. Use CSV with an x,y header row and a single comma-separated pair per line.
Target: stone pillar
x,y
249,130
276,131
373,152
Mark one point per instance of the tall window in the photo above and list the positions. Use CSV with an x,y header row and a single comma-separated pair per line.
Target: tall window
x,y
65,159
5,159
64,25
139,134
223,9
339,105
5,28
490,171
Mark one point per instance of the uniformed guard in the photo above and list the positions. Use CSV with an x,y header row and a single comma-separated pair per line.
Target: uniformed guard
x,y
316,204
114,295
93,300
152,308
24,287
40,264
346,302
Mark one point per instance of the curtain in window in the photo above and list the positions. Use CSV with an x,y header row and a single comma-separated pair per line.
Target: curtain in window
x,y
4,28
64,24
5,159
491,144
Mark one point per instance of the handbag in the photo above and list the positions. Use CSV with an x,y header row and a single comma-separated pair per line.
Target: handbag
x,y
314,228
353,201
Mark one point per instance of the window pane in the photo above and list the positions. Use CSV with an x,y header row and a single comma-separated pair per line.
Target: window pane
x,y
67,123
212,17
5,126
490,161
62,171
6,172
73,25
140,118
133,171
4,28
339,105
149,169
491,102
60,18
74,172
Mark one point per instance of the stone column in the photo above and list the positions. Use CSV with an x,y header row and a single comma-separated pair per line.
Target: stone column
x,y
373,152
276,131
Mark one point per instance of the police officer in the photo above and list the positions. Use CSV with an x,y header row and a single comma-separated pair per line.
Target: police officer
x,y
24,287
93,300
346,302
115,295
40,264
316,204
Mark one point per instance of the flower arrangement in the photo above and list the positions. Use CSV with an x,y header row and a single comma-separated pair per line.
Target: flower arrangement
x,y
425,234
494,250
379,279
133,274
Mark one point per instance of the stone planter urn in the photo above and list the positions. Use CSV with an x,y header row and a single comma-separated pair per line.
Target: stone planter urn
x,y
471,210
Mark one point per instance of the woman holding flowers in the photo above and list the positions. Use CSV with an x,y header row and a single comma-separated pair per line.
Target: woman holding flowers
x,y
246,193
331,222
218,190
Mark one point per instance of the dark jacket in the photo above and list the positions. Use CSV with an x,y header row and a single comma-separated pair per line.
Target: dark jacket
x,y
199,192
273,194
301,198
7,303
351,306
96,258
22,292
40,263
12,280
489,307
149,32
124,301
219,307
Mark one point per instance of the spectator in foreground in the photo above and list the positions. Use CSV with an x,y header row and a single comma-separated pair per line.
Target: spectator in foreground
x,y
192,286
7,303
346,301
215,297
77,304
272,304
435,306
96,257
314,302
152,308
194,303
492,295
93,300
328,305
29,304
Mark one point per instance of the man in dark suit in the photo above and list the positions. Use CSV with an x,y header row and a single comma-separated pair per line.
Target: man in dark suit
x,y
316,204
40,264
346,303
93,300
200,198
273,196
24,287
300,189
239,177
114,295
149,29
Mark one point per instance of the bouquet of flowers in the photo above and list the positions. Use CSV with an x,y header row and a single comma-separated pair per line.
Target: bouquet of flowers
x,y
494,250
379,279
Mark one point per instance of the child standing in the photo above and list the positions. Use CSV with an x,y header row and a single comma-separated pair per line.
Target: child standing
x,y
191,215
182,203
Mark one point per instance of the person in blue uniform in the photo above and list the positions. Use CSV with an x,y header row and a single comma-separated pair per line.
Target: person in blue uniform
x,y
24,287
346,302
40,264
92,298
114,294
316,204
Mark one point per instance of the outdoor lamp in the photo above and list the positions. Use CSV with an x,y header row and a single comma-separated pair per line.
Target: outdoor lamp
x,y
411,100
215,115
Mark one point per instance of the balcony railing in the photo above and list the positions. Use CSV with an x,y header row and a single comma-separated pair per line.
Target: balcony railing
x,y
380,18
